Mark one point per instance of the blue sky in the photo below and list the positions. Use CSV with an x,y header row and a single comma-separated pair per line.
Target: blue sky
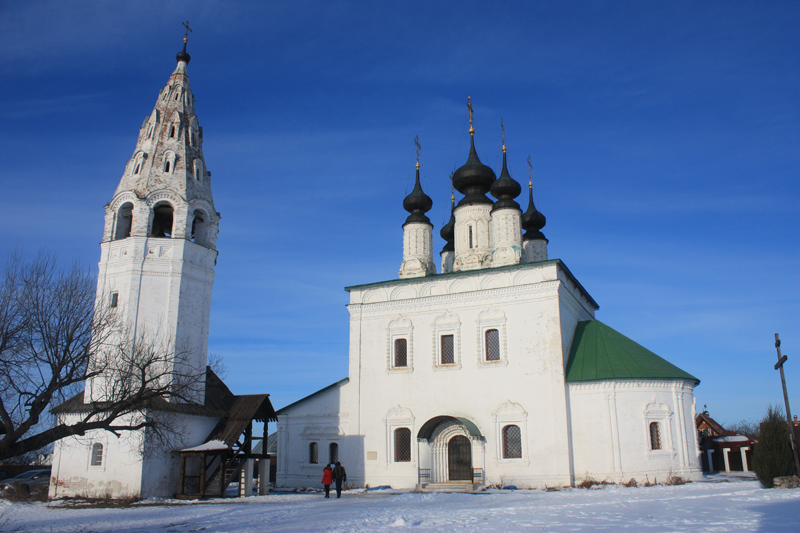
x,y
664,136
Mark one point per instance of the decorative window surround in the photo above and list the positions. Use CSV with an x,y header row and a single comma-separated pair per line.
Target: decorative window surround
x,y
398,417
400,328
447,324
492,319
660,413
511,414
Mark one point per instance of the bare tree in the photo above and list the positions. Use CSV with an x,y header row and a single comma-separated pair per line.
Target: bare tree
x,y
54,340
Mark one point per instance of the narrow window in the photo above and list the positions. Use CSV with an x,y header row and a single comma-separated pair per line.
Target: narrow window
x,y
313,453
402,445
333,452
448,353
470,236
150,131
97,454
400,352
172,131
512,442
492,338
114,299
166,166
655,436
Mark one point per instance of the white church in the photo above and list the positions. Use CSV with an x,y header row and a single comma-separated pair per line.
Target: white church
x,y
156,273
493,372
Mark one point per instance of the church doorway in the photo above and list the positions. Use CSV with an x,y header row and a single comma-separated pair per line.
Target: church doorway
x,y
450,449
459,459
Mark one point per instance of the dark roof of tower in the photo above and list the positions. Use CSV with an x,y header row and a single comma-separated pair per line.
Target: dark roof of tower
x,y
473,179
417,203
182,55
448,232
505,188
532,220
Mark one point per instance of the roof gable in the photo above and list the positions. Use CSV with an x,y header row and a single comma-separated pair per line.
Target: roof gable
x,y
599,352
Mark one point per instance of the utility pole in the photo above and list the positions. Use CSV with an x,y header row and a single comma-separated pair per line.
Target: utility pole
x,y
779,366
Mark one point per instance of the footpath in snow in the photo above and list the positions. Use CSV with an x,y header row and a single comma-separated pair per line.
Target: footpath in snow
x,y
717,504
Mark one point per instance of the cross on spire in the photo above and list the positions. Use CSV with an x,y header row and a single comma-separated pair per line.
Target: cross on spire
x,y
469,106
530,172
188,30
419,147
503,130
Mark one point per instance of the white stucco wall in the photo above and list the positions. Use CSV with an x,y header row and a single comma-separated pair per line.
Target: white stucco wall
x,y
125,470
611,437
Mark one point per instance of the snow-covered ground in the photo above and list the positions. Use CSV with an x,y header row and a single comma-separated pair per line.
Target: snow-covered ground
x,y
718,504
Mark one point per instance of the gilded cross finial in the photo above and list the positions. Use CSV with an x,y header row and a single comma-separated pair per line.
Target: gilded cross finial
x,y
530,172
188,30
419,147
469,106
503,130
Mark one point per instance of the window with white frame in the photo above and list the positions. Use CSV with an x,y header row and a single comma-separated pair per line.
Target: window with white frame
x,y
447,342
655,436
448,356
492,337
402,445
400,353
313,452
333,452
97,455
400,345
512,442
511,426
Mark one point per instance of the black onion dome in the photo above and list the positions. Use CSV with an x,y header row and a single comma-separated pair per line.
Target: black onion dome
x,y
532,221
448,232
505,188
182,55
417,203
474,179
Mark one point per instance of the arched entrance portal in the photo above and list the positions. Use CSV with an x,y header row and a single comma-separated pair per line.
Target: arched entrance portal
x,y
450,450
459,459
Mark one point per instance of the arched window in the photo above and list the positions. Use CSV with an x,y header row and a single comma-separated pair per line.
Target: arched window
x,y
313,453
97,454
150,130
655,436
124,221
402,445
333,452
492,339
162,220
200,228
400,352
512,442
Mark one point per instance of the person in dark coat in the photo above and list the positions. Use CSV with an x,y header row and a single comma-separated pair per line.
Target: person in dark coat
x,y
327,479
339,476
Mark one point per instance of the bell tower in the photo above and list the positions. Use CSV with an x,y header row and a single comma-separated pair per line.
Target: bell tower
x,y
159,244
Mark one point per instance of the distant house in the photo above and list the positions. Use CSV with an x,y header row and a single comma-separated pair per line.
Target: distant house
x,y
722,450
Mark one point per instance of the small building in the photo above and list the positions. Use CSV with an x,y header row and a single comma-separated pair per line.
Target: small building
x,y
722,450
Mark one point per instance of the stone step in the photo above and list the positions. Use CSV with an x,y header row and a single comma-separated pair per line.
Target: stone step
x,y
447,487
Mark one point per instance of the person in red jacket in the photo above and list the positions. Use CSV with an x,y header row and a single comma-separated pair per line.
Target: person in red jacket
x,y
327,479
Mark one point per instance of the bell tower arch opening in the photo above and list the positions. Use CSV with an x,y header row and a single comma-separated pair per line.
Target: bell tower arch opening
x,y
163,216
124,221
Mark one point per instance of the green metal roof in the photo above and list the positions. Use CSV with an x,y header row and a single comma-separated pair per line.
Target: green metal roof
x,y
599,352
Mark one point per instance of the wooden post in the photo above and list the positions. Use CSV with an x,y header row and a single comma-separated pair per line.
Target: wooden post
x,y
779,366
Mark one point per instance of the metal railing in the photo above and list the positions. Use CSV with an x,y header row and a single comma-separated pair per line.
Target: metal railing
x,y
424,475
477,475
